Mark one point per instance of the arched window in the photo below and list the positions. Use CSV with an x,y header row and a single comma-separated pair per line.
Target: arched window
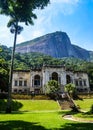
x,y
37,80
68,78
55,76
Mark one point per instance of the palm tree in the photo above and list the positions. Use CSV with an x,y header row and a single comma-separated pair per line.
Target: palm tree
x,y
19,11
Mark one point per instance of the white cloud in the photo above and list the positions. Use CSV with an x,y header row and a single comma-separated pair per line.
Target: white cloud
x,y
46,17
4,32
66,7
20,39
7,38
57,8
65,1
37,33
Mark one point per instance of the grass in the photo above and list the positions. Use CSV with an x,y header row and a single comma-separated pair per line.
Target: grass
x,y
39,115
85,116
84,104
38,105
40,121
31,105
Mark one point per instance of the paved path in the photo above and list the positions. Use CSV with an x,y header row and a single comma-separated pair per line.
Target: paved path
x,y
70,117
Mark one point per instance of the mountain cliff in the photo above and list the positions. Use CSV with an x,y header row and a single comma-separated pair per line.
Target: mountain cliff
x,y
55,44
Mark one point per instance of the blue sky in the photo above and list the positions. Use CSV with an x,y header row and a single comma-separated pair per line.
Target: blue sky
x,y
75,17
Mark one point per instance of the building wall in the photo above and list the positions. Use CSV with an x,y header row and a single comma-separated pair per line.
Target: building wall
x,y
82,81
21,81
47,75
36,79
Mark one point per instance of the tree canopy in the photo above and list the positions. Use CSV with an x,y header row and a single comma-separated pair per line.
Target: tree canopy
x,y
70,88
21,10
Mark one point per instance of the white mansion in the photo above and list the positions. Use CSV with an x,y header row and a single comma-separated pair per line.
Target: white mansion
x,y
35,79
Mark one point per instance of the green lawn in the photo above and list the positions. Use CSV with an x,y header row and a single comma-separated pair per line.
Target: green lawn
x,y
84,116
38,105
39,115
40,121
84,104
31,105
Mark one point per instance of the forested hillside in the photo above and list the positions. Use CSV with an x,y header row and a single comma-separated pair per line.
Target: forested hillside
x,y
28,60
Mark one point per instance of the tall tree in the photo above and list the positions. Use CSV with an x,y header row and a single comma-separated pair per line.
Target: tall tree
x,y
19,11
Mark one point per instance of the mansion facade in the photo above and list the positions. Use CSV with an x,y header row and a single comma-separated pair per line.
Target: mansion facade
x,y
35,79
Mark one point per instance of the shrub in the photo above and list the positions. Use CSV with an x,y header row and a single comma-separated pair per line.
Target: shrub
x,y
2,105
70,88
52,88
21,96
41,97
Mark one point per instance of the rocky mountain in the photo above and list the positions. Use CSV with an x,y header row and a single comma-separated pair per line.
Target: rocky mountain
x,y
55,44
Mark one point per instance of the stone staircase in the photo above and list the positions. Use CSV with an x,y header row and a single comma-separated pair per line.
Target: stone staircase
x,y
67,103
64,104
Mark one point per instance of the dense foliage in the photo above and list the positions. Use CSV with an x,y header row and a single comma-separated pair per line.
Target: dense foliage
x,y
28,60
3,73
52,87
21,10
70,88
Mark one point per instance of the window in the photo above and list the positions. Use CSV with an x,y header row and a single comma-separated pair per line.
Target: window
x,y
85,89
76,82
20,91
25,83
20,83
37,80
50,78
84,81
15,90
55,76
80,83
25,90
68,79
16,83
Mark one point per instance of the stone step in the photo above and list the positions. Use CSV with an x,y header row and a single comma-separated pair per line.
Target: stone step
x,y
64,105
